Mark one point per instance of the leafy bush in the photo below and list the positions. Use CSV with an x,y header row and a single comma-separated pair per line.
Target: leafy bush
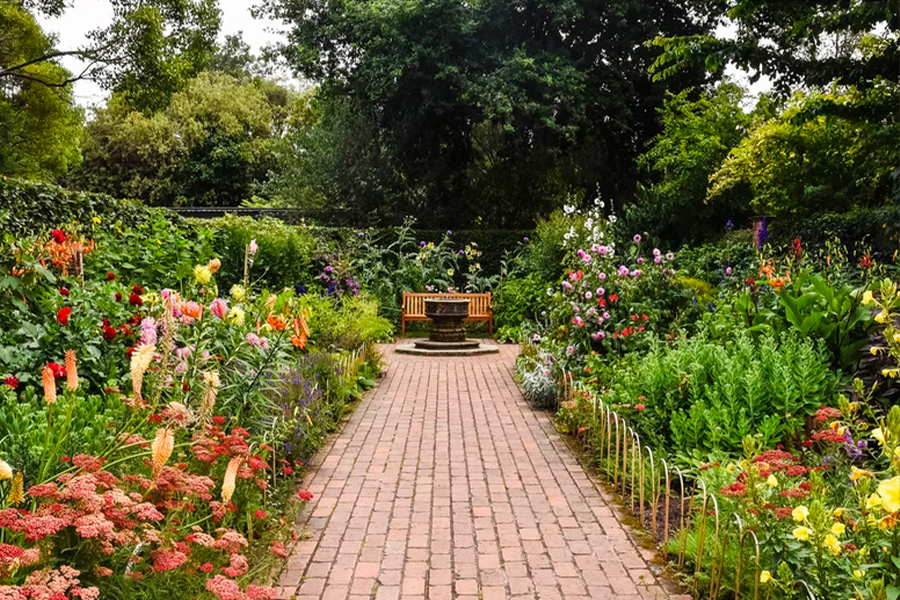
x,y
285,254
701,398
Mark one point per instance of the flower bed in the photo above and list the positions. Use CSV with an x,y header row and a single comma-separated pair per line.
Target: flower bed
x,y
152,437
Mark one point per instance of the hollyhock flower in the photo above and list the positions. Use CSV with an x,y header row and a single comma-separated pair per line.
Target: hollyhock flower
x,y
670,257
637,238
63,315
728,271
623,271
656,252
601,276
219,308
588,295
58,236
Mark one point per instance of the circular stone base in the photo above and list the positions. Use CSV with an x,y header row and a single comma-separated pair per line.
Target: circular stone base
x,y
449,349
440,345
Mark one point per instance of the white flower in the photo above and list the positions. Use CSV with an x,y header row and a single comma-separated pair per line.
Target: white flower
x,y
568,209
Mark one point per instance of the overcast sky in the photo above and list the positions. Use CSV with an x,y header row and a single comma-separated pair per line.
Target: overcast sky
x,y
85,15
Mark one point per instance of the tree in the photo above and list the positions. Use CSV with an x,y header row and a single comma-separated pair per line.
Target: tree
x,y
148,52
494,110
795,42
40,126
809,158
213,144
696,137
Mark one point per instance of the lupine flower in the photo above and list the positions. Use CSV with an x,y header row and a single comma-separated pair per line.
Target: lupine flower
x,y
162,448
71,371
49,382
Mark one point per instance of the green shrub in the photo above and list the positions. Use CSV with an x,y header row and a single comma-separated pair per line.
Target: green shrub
x,y
285,253
703,397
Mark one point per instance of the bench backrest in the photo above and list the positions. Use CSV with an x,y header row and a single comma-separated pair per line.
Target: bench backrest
x,y
414,304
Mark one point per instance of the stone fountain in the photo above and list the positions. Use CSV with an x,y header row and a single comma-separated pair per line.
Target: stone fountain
x,y
448,336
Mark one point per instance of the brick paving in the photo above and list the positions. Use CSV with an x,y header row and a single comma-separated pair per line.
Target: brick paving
x,y
445,483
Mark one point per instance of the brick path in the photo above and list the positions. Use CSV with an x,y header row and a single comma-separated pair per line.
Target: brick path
x,y
446,484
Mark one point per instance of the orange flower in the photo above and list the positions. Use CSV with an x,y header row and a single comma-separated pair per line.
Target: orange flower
x,y
49,385
162,448
276,322
230,478
299,341
71,371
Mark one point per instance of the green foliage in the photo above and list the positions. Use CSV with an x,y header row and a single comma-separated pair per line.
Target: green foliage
x,y
285,252
697,136
40,126
703,397
811,158
709,261
31,207
212,145
484,113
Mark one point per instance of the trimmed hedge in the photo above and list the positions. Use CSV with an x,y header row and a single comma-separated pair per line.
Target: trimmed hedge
x,y
30,206
877,229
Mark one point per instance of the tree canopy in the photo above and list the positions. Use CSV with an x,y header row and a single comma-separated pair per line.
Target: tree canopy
x,y
495,109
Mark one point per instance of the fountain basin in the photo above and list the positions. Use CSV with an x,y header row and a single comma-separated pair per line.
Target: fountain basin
x,y
448,336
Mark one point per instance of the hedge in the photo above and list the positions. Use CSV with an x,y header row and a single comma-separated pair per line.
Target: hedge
x,y
875,229
30,206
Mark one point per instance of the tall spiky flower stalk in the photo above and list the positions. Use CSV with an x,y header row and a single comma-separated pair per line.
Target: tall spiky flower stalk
x,y
16,491
49,382
162,448
230,478
211,379
71,371
140,362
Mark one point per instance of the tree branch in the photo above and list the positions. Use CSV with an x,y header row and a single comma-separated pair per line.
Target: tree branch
x,y
44,58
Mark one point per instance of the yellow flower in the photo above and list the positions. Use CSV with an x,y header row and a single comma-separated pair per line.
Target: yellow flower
x,y
878,434
800,513
6,471
833,544
890,372
882,316
97,220
238,293
202,274
772,481
730,468
235,316
765,577
17,490
838,512
853,407
856,474
873,501
838,529
867,297
801,533
874,350
889,490
858,574
450,272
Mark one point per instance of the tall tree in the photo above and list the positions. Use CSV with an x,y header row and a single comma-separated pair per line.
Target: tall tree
x,y
149,51
40,126
497,109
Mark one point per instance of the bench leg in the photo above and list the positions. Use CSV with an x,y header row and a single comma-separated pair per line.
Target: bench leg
x,y
491,325
402,326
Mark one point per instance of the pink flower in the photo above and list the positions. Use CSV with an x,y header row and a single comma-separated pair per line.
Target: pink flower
x,y
639,407
252,248
224,589
278,549
259,592
167,560
219,307
237,567
623,271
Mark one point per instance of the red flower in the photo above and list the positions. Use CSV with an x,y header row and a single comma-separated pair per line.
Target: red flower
x,y
64,291
58,236
58,370
135,300
261,514
305,496
12,383
644,317
63,315
155,418
614,298
207,567
184,386
65,459
287,471
118,297
219,420
639,407
108,332
137,289
110,276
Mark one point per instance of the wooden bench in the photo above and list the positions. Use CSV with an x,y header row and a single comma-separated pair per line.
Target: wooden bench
x,y
414,308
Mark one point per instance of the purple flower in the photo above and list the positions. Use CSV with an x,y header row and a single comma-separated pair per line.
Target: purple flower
x,y
728,270
600,291
601,276
637,238
567,285
657,260
640,260
148,331
636,273
606,316
763,233
449,232
422,243
525,239
623,271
